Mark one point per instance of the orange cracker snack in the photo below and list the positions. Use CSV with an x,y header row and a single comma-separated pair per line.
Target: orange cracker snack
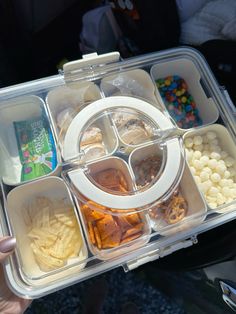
x,y
97,237
133,218
91,232
109,231
123,223
130,232
130,238
107,226
90,213
113,240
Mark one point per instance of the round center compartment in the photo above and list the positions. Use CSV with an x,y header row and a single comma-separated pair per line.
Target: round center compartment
x,y
128,158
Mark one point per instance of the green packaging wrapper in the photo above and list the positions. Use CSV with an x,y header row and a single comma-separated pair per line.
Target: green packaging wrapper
x,y
36,148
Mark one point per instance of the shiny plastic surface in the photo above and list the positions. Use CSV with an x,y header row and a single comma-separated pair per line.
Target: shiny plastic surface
x,y
121,155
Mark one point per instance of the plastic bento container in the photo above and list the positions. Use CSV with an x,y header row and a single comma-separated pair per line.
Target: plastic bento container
x,y
182,92
64,102
124,114
183,209
109,231
211,155
120,159
112,205
137,83
27,146
50,242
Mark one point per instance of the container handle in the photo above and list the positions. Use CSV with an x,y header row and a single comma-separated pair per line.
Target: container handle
x,y
90,60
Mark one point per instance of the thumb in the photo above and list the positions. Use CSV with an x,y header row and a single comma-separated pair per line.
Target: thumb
x,y
7,245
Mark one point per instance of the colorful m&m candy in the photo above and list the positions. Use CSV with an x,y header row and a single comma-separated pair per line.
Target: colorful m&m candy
x,y
178,101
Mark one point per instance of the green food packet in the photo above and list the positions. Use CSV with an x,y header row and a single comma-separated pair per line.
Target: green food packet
x,y
36,148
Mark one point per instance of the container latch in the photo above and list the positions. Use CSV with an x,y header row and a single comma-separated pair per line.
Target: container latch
x,y
158,253
78,68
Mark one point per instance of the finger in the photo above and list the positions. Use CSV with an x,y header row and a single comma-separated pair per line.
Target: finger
x,y
7,245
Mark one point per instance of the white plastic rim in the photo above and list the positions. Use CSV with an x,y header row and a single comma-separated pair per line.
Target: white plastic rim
x,y
91,191
164,183
70,145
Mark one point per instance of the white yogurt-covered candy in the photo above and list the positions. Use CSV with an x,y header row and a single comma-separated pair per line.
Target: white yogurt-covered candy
x,y
188,142
212,205
197,154
205,186
197,140
197,164
224,182
215,155
204,176
213,191
211,135
220,168
208,170
209,183
215,177
210,198
212,163
204,160
220,199
221,161
213,169
226,191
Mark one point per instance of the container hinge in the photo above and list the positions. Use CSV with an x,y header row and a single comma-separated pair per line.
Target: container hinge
x,y
84,67
162,252
228,100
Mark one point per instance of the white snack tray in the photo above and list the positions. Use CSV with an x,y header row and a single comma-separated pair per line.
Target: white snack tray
x,y
92,81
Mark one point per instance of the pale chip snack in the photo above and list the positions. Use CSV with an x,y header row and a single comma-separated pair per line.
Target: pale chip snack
x,y
53,231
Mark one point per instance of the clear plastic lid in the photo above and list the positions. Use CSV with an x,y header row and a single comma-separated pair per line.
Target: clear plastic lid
x,y
123,153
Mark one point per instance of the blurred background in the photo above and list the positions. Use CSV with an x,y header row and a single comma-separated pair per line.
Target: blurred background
x,y
37,36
